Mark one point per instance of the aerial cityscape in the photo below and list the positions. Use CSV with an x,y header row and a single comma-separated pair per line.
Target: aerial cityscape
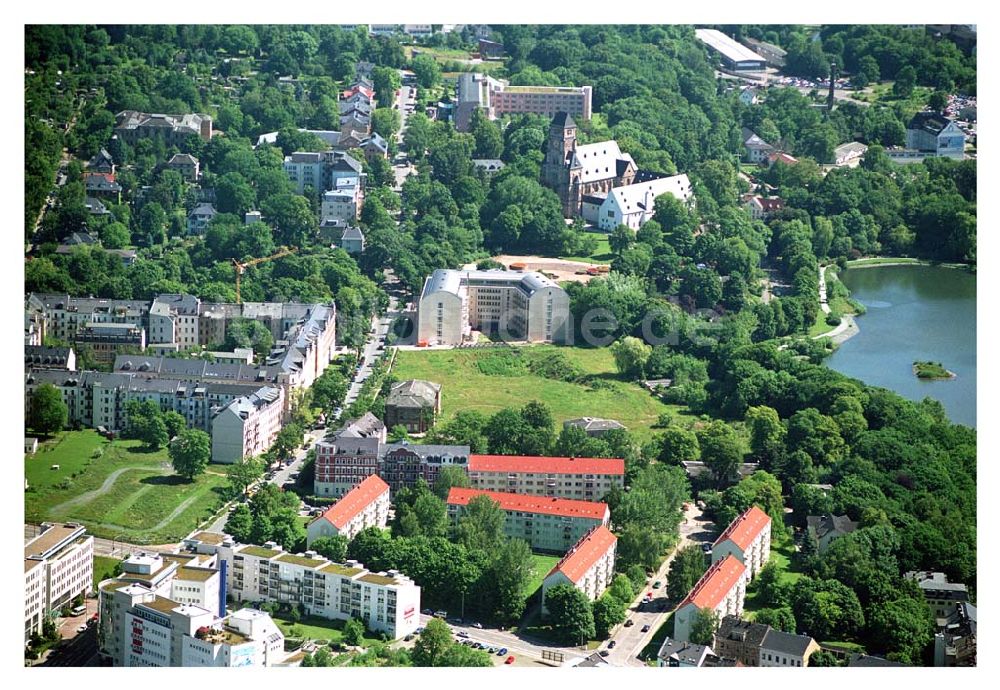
x,y
490,345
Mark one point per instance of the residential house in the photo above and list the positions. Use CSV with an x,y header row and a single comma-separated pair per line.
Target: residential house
x,y
942,597
30,445
413,404
96,207
846,153
780,157
247,426
102,186
172,129
546,523
102,162
955,641
677,654
589,565
695,468
375,146
39,357
756,150
595,427
365,426
186,164
490,50
786,649
342,203
826,528
105,341
489,166
352,240
305,169
762,208
740,640
748,96
199,218
721,589
366,505
748,539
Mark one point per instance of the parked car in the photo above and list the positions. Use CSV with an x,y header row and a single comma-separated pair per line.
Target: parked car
x,y
81,628
645,628
657,584
428,612
501,651
462,633
408,637
706,548
418,630
629,623
604,652
510,660
440,614
611,645
477,625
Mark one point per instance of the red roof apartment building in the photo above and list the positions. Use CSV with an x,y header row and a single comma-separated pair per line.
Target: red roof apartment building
x,y
366,505
589,565
721,589
579,478
545,522
748,539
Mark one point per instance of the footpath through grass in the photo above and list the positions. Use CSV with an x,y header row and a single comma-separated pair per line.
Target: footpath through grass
x,y
118,489
465,386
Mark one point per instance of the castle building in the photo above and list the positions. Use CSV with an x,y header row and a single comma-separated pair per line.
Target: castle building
x,y
574,171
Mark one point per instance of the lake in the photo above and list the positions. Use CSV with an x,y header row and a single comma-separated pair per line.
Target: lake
x,y
914,313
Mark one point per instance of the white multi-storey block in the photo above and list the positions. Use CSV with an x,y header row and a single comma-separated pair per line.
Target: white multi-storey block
x,y
589,565
585,479
748,539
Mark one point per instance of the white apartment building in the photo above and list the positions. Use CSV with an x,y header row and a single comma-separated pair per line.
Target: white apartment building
x,y
586,479
366,505
343,202
247,426
58,565
546,523
632,205
589,565
173,320
518,306
386,602
722,589
748,539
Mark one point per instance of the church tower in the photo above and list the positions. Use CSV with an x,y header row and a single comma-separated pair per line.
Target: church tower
x,y
556,173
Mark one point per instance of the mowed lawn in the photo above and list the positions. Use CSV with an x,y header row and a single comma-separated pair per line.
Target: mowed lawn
x,y
465,387
118,489
543,563
601,255
782,551
315,628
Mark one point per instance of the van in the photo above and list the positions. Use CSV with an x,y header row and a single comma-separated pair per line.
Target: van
x,y
79,610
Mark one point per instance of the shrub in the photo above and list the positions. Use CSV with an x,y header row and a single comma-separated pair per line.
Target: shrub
x,y
502,362
833,319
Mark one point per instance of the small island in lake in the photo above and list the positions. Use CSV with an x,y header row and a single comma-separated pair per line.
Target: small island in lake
x,y
931,371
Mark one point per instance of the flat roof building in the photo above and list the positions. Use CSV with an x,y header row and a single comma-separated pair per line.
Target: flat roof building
x,y
734,56
58,566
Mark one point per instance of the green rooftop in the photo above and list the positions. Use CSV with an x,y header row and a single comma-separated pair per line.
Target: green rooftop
x,y
300,560
259,551
338,569
374,579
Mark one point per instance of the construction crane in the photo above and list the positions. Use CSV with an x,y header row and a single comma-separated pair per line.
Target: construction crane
x,y
242,266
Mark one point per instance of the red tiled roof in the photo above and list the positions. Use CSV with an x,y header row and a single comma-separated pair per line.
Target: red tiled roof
x,y
542,505
773,204
545,465
591,547
109,177
354,501
744,529
715,584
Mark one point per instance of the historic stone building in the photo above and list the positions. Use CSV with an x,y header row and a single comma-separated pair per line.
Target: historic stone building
x,y
574,171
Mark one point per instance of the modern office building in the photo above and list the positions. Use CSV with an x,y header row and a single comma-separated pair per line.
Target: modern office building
x,y
58,566
546,523
586,479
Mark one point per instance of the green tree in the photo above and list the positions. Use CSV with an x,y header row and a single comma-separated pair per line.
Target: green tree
x,y
767,435
721,450
48,413
906,79
703,626
480,528
427,70
240,524
333,548
450,476
249,333
190,453
570,613
507,577
686,569
631,355
386,81
608,612
287,441
386,121
174,422
678,445
432,644
242,473
620,239
903,627
489,141
780,619
354,632
291,217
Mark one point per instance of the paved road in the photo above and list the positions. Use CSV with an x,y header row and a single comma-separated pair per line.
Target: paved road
x,y
631,640
515,644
